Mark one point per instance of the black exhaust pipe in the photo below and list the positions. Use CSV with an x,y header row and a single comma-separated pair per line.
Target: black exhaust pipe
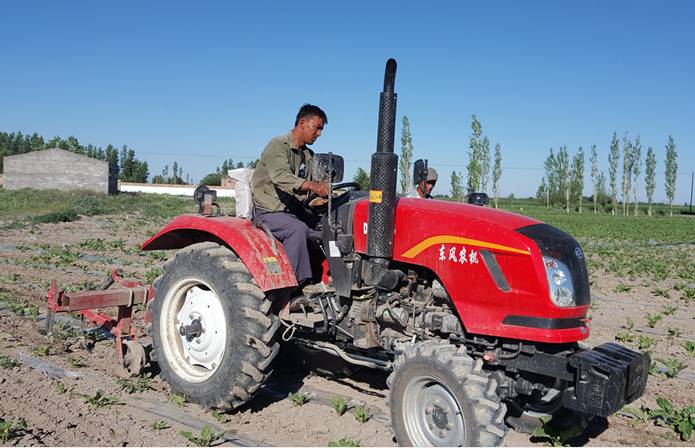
x,y
384,171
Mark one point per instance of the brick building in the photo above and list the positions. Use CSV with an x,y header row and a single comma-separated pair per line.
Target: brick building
x,y
57,169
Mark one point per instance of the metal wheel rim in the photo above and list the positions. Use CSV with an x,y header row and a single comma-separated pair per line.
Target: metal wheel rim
x,y
194,360
432,414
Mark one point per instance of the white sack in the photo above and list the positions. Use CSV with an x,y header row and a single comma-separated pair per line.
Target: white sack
x,y
244,200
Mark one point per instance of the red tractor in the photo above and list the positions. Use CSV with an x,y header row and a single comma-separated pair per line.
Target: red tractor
x,y
476,313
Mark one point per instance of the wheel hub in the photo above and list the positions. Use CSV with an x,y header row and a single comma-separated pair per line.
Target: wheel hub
x,y
433,414
201,327
439,417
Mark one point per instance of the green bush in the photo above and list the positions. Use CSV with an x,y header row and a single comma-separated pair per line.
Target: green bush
x,y
67,215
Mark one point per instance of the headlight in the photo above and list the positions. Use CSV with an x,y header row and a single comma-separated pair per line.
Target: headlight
x,y
559,282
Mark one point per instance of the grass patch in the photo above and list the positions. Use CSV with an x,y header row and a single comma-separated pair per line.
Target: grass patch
x,y
61,206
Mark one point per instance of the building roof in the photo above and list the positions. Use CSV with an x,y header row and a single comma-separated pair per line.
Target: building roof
x,y
46,153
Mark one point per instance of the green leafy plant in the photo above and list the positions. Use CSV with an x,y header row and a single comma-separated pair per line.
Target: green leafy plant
x,y
362,414
653,369
100,400
220,416
661,292
298,399
629,323
652,319
553,436
624,336
63,331
668,310
152,273
688,294
8,363
644,343
206,438
159,425
344,442
340,405
642,414
9,429
179,400
621,287
61,388
681,421
689,346
22,308
674,332
42,350
135,385
673,366
75,362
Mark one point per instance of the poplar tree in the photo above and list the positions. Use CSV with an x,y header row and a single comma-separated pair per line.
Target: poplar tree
x,y
542,192
613,158
484,164
406,155
577,176
636,169
563,173
671,172
649,171
456,187
550,175
497,173
474,144
627,172
593,159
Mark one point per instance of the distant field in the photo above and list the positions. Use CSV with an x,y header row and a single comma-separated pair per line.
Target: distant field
x,y
656,248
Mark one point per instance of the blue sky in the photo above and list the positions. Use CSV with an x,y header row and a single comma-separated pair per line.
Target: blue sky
x,y
198,82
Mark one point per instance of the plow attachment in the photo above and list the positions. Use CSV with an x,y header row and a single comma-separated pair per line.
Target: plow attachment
x,y
128,331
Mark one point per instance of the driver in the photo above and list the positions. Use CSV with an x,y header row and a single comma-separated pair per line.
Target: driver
x,y
281,184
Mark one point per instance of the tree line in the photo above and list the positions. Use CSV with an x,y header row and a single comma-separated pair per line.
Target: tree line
x,y
123,164
215,178
563,183
479,168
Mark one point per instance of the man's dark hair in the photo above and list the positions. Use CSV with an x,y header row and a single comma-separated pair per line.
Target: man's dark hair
x,y
309,110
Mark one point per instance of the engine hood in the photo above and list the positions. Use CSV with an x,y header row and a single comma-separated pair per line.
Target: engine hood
x,y
421,224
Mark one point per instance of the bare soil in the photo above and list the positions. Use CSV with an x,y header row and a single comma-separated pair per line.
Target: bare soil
x,y
50,390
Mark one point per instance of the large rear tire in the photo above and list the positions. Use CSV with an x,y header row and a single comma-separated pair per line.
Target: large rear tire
x,y
440,396
212,328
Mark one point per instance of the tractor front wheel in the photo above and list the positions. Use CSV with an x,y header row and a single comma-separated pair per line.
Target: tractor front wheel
x,y
440,396
212,328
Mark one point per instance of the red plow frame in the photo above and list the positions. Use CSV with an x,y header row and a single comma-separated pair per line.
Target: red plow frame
x,y
130,352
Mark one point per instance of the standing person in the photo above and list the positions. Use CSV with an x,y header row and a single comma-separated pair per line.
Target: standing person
x,y
424,188
282,182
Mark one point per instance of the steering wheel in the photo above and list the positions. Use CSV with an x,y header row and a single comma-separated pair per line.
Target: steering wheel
x,y
349,185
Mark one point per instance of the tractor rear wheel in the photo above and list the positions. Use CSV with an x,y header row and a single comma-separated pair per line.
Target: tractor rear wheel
x,y
212,328
440,396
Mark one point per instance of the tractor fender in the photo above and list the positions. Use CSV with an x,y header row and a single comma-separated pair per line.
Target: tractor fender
x,y
264,258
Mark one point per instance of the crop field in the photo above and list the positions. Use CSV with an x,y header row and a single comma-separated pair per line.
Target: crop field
x,y
54,392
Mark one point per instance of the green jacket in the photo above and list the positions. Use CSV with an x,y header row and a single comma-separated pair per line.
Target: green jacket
x,y
281,170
